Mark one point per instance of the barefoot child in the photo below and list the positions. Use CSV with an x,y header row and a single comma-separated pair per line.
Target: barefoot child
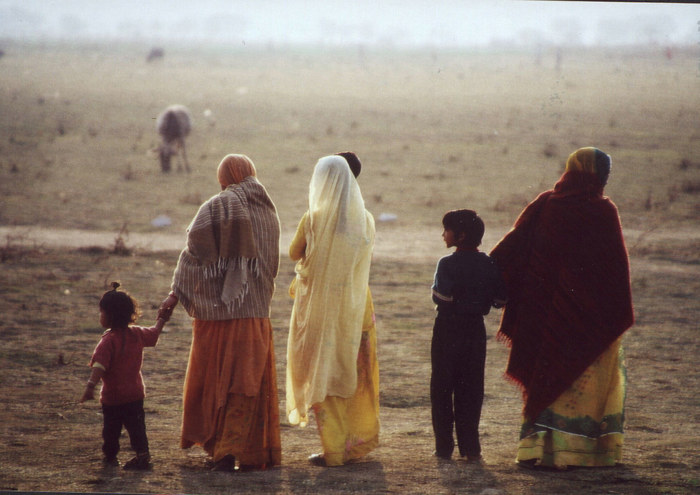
x,y
467,283
117,362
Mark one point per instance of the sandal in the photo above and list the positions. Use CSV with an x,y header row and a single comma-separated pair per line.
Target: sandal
x,y
317,460
226,463
142,462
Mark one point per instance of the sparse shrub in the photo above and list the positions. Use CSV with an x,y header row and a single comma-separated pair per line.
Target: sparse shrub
x,y
691,186
685,164
120,248
550,150
13,249
194,198
92,250
292,170
128,174
648,203
673,193
640,283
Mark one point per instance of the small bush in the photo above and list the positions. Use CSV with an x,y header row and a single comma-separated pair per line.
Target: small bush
x,y
550,150
690,186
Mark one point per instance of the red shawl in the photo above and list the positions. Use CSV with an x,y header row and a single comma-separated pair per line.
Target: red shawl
x,y
566,269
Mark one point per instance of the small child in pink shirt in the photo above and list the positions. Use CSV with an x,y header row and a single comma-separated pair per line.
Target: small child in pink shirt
x,y
117,362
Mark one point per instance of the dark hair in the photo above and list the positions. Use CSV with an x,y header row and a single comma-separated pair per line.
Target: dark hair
x,y
353,161
120,307
465,222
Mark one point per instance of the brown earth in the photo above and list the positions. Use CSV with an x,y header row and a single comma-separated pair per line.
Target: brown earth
x,y
50,442
485,129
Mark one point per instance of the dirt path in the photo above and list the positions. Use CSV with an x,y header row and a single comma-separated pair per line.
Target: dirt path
x,y
391,243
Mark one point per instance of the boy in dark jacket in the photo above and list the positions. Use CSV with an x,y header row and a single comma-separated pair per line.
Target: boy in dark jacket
x,y
467,283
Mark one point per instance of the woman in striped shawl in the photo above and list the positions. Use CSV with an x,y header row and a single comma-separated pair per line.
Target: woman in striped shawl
x,y
225,280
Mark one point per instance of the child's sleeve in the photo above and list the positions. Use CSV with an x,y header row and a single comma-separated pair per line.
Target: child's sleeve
x,y
102,356
149,335
443,285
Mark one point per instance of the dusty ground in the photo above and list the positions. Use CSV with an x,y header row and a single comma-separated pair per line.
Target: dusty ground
x,y
50,442
485,129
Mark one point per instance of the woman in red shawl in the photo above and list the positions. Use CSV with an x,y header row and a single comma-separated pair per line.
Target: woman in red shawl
x,y
567,273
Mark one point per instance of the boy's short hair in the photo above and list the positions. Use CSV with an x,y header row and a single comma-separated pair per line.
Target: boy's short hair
x,y
465,222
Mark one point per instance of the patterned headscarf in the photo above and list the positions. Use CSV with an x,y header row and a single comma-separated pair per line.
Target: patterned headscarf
x,y
233,169
590,160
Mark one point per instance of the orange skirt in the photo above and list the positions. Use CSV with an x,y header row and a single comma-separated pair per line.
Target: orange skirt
x,y
230,404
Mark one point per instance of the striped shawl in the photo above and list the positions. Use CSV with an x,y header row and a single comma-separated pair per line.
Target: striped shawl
x,y
228,268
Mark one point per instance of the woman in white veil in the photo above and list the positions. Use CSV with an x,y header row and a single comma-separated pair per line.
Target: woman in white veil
x,y
331,355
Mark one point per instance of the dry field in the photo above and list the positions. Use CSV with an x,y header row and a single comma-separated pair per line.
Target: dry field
x,y
436,130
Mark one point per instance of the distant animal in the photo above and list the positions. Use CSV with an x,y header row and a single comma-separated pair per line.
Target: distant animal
x,y
155,54
173,125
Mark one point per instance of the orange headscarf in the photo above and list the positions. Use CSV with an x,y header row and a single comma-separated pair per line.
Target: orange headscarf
x,y
233,169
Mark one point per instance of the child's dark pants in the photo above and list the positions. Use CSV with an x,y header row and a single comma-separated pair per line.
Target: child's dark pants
x,y
458,355
133,418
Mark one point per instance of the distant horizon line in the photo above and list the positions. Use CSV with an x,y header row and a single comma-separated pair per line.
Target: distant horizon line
x,y
274,44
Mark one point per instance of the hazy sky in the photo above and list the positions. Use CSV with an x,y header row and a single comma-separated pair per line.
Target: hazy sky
x,y
396,22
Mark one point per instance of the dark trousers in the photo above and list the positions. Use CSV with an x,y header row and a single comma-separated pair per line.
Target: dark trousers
x,y
458,355
132,417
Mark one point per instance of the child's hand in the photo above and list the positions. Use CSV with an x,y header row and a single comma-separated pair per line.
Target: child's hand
x,y
165,313
89,394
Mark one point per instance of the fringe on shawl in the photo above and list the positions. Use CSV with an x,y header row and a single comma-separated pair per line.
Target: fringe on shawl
x,y
508,342
238,268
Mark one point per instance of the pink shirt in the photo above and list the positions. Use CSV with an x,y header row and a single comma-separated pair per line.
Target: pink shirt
x,y
120,354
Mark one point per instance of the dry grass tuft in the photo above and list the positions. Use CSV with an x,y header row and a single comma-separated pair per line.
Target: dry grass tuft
x,y
690,186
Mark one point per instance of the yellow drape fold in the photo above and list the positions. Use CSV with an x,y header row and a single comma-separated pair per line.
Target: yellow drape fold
x,y
349,427
330,290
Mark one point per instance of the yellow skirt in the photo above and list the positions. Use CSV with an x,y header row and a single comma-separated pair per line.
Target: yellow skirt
x,y
230,399
349,427
584,426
